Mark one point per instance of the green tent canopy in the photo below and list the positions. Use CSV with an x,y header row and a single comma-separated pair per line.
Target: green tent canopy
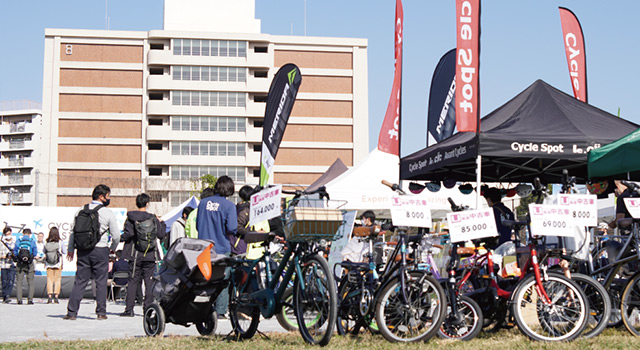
x,y
617,159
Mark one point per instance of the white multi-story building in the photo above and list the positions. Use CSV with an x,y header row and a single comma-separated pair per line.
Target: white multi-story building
x,y
149,111
20,123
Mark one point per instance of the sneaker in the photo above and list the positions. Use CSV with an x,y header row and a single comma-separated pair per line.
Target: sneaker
x,y
19,302
55,300
69,317
49,301
101,317
6,300
127,314
222,317
30,302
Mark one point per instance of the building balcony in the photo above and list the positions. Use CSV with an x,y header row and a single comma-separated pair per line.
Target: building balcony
x,y
16,145
164,157
167,58
258,84
17,128
16,179
256,109
7,163
16,198
166,83
165,107
159,133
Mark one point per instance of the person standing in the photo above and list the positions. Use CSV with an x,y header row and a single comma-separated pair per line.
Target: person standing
x,y
178,227
7,264
501,213
217,219
40,244
53,252
141,232
93,262
25,249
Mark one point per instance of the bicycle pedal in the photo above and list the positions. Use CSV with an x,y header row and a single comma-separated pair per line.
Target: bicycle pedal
x,y
510,324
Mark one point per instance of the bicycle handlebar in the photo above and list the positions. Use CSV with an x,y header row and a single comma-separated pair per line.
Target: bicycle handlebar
x,y
455,207
393,186
322,191
633,187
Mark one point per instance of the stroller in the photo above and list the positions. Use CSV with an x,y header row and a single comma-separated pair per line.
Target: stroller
x,y
183,294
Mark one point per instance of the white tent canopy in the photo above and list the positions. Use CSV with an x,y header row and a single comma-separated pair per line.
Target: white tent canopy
x,y
362,189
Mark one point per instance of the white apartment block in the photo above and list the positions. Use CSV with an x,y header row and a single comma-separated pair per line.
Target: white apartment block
x,y
149,111
20,124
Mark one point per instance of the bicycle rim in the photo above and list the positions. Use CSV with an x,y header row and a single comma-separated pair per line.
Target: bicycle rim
x,y
563,319
287,317
471,321
630,306
599,304
418,319
244,316
315,301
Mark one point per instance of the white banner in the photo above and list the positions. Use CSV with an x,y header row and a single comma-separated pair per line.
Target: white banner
x,y
633,206
41,219
551,220
471,224
265,205
584,208
342,238
410,211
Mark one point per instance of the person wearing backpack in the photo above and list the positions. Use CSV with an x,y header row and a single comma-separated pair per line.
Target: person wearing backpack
x,y
53,263
92,227
25,250
7,263
142,230
178,227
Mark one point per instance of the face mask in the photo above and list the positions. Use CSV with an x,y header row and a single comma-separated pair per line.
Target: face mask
x,y
106,202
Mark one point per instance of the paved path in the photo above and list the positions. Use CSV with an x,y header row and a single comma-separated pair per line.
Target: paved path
x,y
44,321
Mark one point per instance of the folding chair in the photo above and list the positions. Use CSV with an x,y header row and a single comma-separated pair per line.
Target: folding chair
x,y
117,276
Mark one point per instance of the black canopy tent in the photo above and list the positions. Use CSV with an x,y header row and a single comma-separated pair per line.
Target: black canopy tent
x,y
536,134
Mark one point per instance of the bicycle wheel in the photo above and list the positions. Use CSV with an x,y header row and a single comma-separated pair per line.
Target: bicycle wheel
x,y
630,305
599,304
315,300
347,311
563,319
153,320
244,314
287,316
464,326
417,319
209,326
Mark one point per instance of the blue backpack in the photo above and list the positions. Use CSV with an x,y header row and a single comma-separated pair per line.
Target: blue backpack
x,y
25,258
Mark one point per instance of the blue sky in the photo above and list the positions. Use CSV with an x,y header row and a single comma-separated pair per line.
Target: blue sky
x,y
521,41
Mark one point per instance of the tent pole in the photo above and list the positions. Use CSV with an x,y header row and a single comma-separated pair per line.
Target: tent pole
x,y
478,183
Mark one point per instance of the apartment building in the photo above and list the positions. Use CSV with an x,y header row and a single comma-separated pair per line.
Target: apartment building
x,y
20,125
150,111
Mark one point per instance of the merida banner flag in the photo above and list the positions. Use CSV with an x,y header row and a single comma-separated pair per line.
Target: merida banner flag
x,y
282,95
468,65
574,48
388,140
441,114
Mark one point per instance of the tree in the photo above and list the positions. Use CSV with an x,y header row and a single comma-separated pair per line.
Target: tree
x,y
199,184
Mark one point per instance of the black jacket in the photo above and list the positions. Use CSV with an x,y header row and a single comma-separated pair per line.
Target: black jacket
x,y
129,237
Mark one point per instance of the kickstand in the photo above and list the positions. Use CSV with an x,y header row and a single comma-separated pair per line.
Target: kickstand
x,y
263,335
236,337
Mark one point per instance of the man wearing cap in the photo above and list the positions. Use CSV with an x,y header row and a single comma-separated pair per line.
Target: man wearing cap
x,y
501,213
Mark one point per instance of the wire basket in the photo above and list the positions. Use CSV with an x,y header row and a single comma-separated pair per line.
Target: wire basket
x,y
308,219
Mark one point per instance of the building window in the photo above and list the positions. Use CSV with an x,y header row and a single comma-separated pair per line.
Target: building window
x,y
205,73
203,123
221,48
178,197
193,172
209,98
223,149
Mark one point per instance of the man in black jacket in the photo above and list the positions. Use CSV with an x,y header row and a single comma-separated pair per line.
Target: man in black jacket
x,y
141,250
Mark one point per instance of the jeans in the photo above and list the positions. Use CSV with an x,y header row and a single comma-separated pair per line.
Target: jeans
x,y
91,265
30,271
8,279
222,302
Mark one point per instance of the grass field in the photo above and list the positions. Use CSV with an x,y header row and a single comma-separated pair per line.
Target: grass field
x,y
503,340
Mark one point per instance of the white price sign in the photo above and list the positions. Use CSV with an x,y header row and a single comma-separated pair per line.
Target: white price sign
x,y
265,205
410,211
551,220
472,224
633,206
584,208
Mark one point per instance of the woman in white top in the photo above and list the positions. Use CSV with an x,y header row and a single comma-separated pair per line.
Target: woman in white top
x,y
53,253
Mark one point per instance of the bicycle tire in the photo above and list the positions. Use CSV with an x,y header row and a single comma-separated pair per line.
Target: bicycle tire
x,y
469,327
564,320
287,315
153,320
209,326
244,318
630,305
346,318
599,304
315,300
421,319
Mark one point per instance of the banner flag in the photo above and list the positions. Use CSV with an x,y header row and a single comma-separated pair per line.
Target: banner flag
x,y
282,95
441,114
388,140
468,65
574,48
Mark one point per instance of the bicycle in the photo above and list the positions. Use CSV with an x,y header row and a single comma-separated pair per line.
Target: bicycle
x,y
253,293
546,306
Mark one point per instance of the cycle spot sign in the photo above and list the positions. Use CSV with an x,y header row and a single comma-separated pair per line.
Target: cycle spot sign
x,y
265,205
633,206
583,207
551,220
471,224
410,211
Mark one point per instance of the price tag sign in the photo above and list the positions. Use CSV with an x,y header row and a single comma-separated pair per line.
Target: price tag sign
x,y
410,211
584,208
551,220
633,206
471,224
265,205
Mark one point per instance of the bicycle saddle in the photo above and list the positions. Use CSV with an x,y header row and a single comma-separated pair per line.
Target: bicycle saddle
x,y
512,223
256,237
465,251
